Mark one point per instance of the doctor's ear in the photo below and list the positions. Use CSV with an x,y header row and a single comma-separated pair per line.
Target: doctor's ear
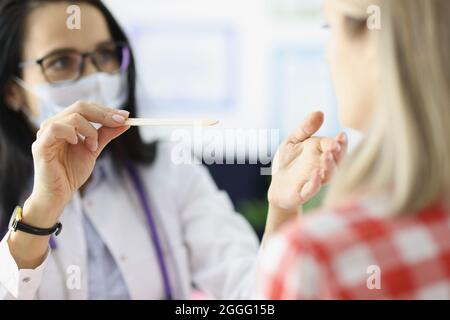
x,y
14,98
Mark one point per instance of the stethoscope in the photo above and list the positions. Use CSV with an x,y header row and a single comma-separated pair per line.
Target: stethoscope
x,y
143,199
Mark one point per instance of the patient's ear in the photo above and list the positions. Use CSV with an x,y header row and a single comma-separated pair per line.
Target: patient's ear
x,y
13,97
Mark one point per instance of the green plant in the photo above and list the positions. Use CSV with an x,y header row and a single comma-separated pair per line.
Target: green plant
x,y
255,211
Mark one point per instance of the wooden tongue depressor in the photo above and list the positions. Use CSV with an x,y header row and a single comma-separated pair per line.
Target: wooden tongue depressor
x,y
169,122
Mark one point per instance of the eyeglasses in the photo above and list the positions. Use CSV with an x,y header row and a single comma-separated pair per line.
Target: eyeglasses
x,y
67,65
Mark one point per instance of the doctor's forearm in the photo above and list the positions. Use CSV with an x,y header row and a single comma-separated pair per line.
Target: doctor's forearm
x,y
276,217
29,251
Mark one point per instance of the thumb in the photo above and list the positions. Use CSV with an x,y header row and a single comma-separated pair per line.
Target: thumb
x,y
308,127
106,135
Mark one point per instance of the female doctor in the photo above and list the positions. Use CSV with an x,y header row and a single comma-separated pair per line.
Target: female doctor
x,y
125,223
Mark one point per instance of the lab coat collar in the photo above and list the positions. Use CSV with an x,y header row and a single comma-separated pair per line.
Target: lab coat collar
x,y
70,254
72,247
122,226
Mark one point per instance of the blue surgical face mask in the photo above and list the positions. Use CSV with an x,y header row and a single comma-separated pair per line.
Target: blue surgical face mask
x,y
108,90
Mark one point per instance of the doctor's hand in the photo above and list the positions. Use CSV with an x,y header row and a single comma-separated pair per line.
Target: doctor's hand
x,y
301,166
64,155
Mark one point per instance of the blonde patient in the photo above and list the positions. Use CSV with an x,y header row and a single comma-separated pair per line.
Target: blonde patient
x,y
384,232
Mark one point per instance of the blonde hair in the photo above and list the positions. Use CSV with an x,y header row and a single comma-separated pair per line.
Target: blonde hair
x,y
406,151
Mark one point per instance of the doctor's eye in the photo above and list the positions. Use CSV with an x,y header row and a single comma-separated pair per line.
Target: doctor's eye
x,y
61,62
62,66
109,57
108,54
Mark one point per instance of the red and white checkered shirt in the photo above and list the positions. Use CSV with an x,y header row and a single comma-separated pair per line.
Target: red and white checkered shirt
x,y
355,252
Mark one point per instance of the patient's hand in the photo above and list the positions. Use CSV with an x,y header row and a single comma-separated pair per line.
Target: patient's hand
x,y
303,164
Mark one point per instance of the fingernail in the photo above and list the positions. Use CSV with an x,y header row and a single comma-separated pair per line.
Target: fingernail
x,y
343,137
117,118
124,113
337,147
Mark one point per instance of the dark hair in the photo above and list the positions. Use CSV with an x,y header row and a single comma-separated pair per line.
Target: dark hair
x,y
16,135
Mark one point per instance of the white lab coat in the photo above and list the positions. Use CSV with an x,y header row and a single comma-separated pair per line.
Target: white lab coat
x,y
205,242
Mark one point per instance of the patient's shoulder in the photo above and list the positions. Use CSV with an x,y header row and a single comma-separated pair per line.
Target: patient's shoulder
x,y
366,223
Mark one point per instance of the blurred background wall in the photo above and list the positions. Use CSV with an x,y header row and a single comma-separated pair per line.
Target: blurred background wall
x,y
252,64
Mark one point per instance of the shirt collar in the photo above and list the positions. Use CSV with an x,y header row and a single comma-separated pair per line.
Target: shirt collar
x,y
103,172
